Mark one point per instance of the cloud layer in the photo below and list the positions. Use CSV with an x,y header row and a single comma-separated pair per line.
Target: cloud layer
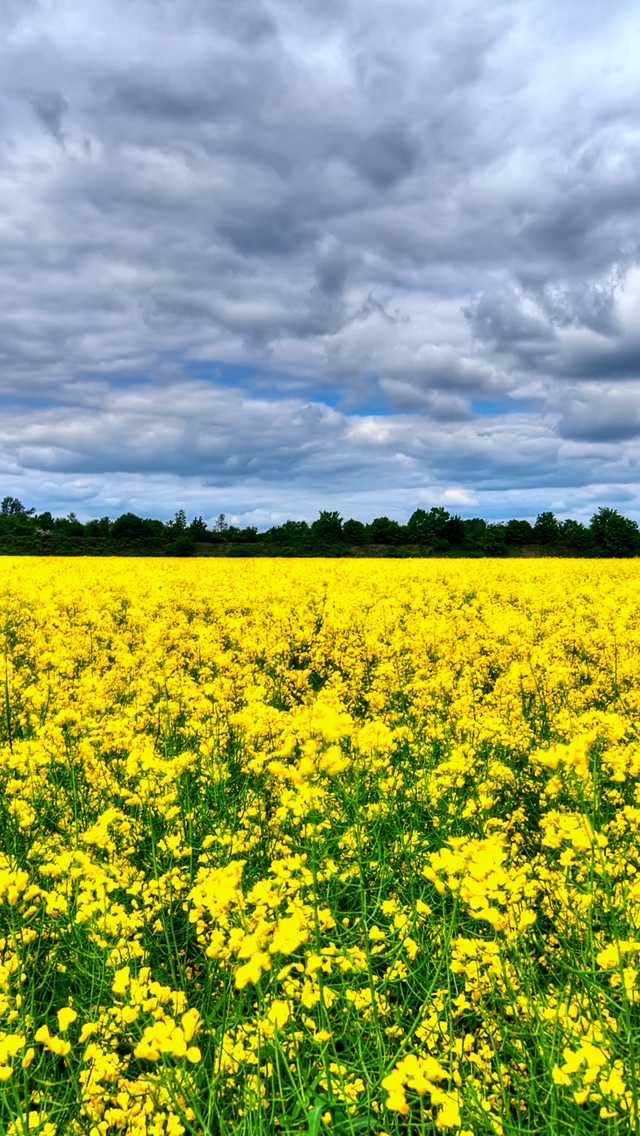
x,y
268,256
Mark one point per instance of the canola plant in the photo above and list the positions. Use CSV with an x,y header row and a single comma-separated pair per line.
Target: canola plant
x,y
319,846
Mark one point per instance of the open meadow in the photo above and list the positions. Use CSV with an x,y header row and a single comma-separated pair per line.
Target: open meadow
x,y
319,847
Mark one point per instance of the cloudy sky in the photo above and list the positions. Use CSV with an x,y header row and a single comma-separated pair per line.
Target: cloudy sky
x,y
271,256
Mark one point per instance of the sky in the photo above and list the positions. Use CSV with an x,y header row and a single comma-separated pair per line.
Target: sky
x,y
267,257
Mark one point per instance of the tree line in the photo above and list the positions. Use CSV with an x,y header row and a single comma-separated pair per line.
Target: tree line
x,y
433,532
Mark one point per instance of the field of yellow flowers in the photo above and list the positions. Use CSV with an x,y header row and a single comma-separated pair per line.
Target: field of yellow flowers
x,y
319,847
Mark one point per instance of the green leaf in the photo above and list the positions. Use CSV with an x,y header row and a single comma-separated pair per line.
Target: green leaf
x,y
315,1120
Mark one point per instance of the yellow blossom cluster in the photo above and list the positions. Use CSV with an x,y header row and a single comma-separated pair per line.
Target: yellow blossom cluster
x,y
319,846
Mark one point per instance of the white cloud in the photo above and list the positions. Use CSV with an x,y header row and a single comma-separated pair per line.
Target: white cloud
x,y
360,248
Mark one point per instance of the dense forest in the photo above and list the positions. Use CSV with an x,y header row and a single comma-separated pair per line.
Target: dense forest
x,y
426,533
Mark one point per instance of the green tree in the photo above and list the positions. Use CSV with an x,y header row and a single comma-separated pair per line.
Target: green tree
x,y
428,528
179,522
518,533
613,534
328,526
198,528
494,540
546,529
384,531
181,545
73,526
11,506
294,534
129,527
455,531
98,528
248,535
354,532
576,536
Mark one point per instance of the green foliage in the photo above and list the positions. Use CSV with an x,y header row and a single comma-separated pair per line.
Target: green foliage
x,y
613,534
198,528
182,545
546,529
427,533
576,536
354,532
129,526
384,531
456,531
518,533
328,526
427,528
11,506
291,532
494,540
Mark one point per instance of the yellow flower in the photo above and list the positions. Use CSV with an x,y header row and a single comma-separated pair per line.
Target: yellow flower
x,y
66,1017
396,1100
252,969
121,981
448,1115
190,1022
559,1076
289,935
253,752
279,1013
51,1042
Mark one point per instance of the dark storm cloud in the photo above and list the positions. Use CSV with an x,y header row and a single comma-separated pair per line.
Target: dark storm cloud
x,y
50,106
359,209
616,358
387,156
602,414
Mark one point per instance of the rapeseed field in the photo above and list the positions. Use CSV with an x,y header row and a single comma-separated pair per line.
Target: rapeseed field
x,y
319,847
